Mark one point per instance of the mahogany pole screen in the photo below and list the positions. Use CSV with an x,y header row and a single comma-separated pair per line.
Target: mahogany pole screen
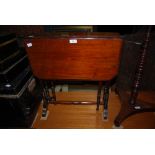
x,y
84,57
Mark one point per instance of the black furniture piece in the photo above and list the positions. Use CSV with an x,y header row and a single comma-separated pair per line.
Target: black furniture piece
x,y
19,93
137,65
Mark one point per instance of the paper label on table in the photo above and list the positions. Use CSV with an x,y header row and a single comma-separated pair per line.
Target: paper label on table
x,y
73,41
29,44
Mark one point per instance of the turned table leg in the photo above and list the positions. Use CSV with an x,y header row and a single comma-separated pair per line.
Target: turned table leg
x,y
105,100
46,97
45,106
53,98
99,95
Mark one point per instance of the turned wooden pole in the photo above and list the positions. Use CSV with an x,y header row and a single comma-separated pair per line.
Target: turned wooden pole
x,y
140,68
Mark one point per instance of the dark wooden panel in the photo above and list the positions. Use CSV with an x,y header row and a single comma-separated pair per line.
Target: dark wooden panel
x,y
6,63
6,37
20,111
16,85
13,71
88,59
8,48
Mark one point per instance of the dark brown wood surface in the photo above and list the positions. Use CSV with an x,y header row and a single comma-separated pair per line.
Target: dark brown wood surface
x,y
91,58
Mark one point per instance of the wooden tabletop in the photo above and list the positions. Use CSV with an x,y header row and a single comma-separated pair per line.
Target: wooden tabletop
x,y
75,56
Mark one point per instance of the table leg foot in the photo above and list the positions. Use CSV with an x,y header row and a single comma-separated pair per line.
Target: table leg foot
x,y
99,95
105,115
45,115
105,100
117,127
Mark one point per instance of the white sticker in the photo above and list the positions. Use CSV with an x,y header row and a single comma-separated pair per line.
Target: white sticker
x,y
137,107
73,41
29,44
7,85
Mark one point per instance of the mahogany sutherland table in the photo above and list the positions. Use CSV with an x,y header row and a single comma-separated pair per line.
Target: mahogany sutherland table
x,y
74,56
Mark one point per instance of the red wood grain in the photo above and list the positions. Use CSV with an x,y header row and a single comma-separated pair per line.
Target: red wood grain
x,y
91,58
